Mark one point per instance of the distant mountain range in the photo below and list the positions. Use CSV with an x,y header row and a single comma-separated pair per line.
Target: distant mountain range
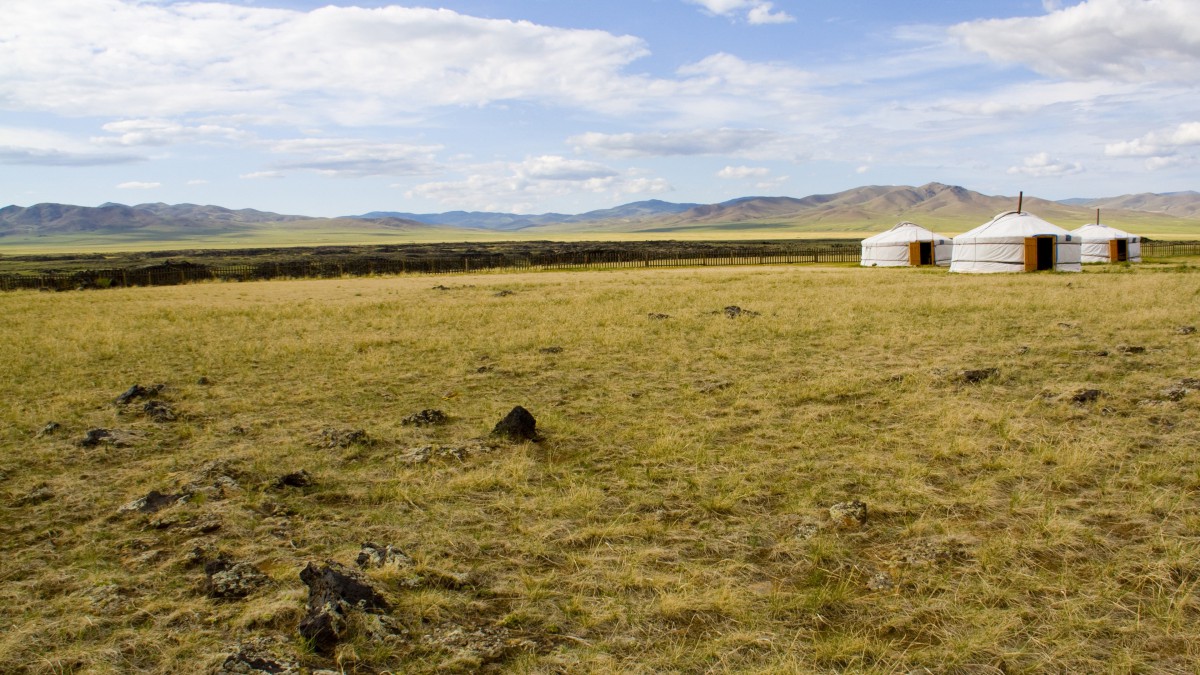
x,y
865,209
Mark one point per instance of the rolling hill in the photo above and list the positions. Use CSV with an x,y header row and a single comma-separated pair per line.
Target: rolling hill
x,y
948,209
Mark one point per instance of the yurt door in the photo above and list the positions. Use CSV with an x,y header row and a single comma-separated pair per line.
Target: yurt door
x,y
926,252
920,253
1118,250
1039,253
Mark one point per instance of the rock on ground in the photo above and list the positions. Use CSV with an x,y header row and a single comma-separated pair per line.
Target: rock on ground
x,y
228,580
333,591
851,515
425,418
517,425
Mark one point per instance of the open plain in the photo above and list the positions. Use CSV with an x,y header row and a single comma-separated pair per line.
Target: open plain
x,y
769,469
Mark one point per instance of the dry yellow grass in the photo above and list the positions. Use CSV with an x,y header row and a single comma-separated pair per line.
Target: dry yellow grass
x,y
675,516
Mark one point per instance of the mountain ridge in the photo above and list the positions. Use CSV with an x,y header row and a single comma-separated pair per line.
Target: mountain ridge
x,y
865,208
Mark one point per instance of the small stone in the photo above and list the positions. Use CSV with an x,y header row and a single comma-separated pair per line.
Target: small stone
x,y
1185,330
295,479
808,530
425,418
504,293
517,425
152,502
733,312
374,555
230,581
203,380
880,581
850,515
138,391
159,411
658,316
1131,349
977,375
95,437
49,429
343,438
1023,349
551,350
1084,396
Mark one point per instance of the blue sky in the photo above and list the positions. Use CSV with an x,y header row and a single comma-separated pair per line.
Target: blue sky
x,y
335,108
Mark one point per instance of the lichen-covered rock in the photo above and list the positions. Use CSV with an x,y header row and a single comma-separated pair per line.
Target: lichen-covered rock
x,y
851,515
334,590
374,555
425,418
228,580
259,655
343,438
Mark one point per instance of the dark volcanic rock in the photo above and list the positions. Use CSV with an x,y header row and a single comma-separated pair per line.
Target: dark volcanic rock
x,y
425,418
297,479
333,591
95,437
517,425
159,411
138,391
253,657
1086,396
733,312
153,501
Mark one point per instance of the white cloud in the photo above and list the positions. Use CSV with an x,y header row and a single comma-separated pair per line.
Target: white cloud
x,y
862,169
678,143
355,157
738,172
1121,40
138,185
348,64
518,186
256,175
754,11
163,132
197,181
41,147
1042,165
1162,149
1157,143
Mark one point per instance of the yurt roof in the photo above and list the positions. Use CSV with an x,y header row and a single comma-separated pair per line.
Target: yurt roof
x,y
903,232
1101,232
1013,224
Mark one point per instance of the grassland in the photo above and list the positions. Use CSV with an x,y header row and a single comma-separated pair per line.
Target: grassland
x,y
675,515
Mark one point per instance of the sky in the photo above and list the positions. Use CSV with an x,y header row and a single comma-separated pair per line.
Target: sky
x,y
343,107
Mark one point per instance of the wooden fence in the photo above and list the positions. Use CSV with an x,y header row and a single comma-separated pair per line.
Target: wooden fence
x,y
182,273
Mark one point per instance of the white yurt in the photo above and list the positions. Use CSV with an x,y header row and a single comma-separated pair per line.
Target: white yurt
x,y
1016,242
1103,244
906,244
